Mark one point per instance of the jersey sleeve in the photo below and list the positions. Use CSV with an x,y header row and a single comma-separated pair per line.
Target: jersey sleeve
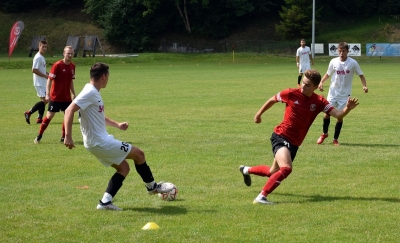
x,y
84,100
357,69
282,96
36,63
330,68
53,71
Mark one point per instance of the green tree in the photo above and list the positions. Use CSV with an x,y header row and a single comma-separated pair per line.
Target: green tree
x,y
296,19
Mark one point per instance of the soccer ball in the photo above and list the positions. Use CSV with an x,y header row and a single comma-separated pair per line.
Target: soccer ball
x,y
169,196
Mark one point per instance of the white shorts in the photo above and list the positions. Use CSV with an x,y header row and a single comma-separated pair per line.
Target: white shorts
x,y
113,153
41,91
304,67
338,102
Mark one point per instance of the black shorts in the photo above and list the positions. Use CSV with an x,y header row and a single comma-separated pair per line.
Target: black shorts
x,y
55,106
278,142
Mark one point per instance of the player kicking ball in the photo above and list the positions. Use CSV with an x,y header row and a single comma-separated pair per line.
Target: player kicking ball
x,y
108,150
302,107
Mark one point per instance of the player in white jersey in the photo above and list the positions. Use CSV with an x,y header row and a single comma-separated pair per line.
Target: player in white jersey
x,y
303,59
39,81
108,150
342,70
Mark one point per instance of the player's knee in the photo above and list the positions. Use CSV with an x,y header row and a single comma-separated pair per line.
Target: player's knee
x,y
138,154
285,171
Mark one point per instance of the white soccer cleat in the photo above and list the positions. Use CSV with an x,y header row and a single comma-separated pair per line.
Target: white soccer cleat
x,y
161,187
261,200
108,206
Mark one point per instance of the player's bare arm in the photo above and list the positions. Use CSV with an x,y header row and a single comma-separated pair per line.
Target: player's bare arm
x,y
38,73
364,83
72,89
48,86
351,104
120,125
68,120
324,78
266,106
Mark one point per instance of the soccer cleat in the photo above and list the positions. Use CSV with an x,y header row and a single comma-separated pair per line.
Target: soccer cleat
x,y
37,139
160,188
322,138
246,178
39,121
108,206
27,115
62,139
261,200
336,142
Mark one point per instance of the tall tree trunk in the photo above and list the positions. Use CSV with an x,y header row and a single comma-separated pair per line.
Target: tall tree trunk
x,y
185,17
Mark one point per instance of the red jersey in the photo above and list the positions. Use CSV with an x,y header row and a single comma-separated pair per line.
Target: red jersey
x,y
300,113
62,75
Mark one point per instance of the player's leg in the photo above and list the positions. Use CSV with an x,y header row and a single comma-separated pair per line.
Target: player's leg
x,y
115,183
39,106
142,168
339,123
52,109
284,156
41,110
299,79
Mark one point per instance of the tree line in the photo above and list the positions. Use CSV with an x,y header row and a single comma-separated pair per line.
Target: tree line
x,y
134,24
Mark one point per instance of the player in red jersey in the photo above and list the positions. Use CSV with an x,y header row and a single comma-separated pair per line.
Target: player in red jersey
x,y
302,107
59,88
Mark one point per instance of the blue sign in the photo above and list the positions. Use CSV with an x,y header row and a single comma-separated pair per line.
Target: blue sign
x,y
383,49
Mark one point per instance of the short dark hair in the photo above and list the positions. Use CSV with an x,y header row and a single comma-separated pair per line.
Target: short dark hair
x,y
343,45
302,40
42,42
314,76
97,70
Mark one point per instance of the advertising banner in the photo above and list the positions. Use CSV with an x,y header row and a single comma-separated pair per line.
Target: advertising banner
x,y
383,49
15,32
354,49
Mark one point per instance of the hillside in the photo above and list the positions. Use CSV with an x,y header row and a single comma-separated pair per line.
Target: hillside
x,y
57,26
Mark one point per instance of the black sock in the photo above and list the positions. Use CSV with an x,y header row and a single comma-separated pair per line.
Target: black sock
x,y
144,171
115,184
37,107
325,125
41,110
299,79
338,128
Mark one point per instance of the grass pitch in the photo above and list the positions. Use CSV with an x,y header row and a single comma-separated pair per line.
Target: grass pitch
x,y
194,120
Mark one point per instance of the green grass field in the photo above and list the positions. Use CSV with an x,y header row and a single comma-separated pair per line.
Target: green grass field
x,y
194,120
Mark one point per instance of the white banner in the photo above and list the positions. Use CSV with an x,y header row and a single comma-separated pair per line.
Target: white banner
x,y
319,48
354,49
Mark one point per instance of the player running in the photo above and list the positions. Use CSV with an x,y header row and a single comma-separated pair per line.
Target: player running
x,y
302,107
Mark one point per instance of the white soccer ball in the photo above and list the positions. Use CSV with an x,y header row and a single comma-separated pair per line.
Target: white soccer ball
x,y
169,196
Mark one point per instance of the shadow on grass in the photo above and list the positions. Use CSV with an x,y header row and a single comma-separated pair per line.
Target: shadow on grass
x,y
169,210
319,198
370,145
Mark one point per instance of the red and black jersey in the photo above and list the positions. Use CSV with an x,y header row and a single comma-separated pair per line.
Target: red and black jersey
x,y
62,75
300,113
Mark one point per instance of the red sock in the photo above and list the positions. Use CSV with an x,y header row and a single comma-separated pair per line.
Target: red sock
x,y
44,125
260,170
275,180
63,130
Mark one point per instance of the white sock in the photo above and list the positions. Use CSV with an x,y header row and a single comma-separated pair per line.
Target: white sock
x,y
150,185
106,198
246,170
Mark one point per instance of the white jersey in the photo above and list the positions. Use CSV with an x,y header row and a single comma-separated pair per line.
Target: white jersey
x,y
304,56
92,117
342,74
39,63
